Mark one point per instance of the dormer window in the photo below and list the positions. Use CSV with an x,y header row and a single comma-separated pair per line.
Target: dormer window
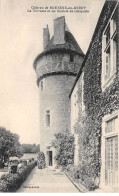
x,y
109,50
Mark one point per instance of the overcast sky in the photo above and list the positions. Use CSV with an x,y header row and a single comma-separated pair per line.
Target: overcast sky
x,y
21,41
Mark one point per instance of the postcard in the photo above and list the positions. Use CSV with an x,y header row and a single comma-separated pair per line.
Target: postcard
x,y
59,114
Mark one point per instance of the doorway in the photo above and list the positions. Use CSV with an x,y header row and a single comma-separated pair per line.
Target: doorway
x,y
50,157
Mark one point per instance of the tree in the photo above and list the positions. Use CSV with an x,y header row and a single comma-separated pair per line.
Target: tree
x,y
30,148
9,145
64,145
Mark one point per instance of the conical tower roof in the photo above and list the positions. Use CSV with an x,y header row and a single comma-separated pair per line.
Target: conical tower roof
x,y
61,41
70,44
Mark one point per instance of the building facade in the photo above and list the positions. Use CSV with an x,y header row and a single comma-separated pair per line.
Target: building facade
x,y
56,69
95,103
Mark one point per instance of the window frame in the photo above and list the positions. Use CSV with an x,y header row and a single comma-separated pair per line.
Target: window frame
x,y
108,48
105,136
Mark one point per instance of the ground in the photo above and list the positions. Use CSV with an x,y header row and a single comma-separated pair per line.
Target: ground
x,y
47,180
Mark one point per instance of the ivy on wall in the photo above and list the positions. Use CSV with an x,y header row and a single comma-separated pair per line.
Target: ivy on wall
x,y
97,104
64,145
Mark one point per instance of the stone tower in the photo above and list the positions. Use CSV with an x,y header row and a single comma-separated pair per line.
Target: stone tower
x,y
56,69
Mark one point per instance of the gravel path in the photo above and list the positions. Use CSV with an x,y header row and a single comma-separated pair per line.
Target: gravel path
x,y
47,181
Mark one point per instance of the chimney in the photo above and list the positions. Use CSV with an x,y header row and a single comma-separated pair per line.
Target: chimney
x,y
59,30
46,37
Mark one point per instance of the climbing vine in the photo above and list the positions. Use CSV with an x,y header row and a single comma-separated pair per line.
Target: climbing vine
x,y
97,104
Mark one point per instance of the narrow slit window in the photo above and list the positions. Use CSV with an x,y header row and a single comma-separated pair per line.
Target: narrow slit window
x,y
41,85
48,118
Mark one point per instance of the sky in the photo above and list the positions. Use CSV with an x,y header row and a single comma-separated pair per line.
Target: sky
x,y
21,41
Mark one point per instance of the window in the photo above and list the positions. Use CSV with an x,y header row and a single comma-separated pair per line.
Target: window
x,y
109,50
107,32
111,161
111,125
48,118
71,57
107,66
114,39
110,150
41,85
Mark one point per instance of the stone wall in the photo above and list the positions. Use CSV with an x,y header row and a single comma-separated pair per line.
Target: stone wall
x,y
54,97
57,62
57,81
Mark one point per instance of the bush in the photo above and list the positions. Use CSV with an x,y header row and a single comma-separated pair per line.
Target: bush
x,y
4,177
1,164
64,145
11,182
41,160
79,175
73,171
89,183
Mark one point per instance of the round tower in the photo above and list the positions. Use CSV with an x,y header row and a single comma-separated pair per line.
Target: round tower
x,y
56,69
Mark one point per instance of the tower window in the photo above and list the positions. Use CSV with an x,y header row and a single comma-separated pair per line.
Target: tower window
x,y
41,85
71,57
47,118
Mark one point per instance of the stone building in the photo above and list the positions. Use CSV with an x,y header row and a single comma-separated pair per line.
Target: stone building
x,y
95,103
79,93
56,69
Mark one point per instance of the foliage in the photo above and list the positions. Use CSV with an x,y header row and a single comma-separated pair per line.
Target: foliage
x,y
41,160
11,182
79,175
97,104
64,144
40,156
30,148
9,145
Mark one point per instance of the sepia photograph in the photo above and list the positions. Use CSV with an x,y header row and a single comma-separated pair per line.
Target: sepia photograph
x,y
59,96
